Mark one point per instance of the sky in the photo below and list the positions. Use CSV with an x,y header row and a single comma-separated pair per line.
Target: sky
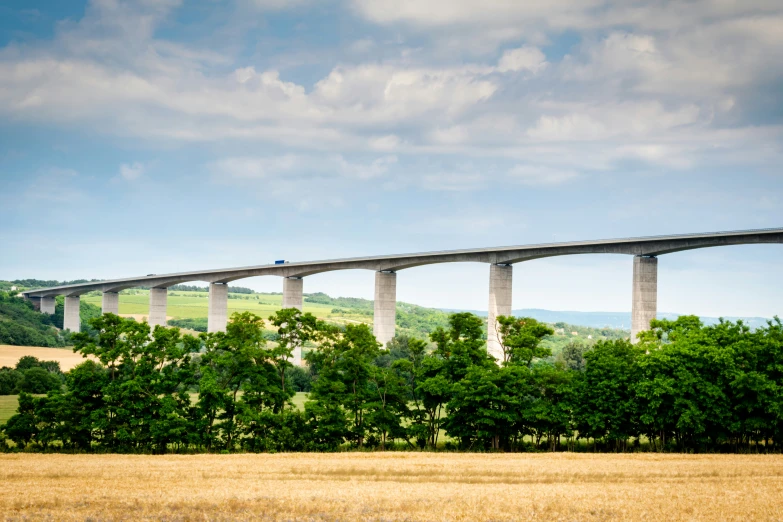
x,y
157,136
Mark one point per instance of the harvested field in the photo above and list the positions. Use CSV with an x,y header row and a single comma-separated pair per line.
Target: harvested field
x,y
10,355
392,486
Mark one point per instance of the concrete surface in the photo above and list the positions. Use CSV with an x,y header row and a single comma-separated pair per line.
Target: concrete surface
x,y
158,301
500,278
644,300
110,303
71,317
217,316
292,292
385,313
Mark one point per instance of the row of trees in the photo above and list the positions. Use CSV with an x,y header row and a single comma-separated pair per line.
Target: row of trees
x,y
683,387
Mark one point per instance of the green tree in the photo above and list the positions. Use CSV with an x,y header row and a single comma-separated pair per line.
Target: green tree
x,y
607,406
520,339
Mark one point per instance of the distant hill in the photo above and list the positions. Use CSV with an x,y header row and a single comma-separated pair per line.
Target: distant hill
x,y
605,319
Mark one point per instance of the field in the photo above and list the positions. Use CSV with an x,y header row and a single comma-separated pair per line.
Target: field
x,y
391,486
8,404
10,355
187,305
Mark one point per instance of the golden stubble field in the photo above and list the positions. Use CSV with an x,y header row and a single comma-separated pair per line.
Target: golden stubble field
x,y
10,355
391,486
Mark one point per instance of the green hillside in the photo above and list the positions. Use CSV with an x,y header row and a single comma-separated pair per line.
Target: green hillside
x,y
22,325
187,308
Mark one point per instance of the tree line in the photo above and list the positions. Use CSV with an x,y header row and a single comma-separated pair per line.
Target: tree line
x,y
683,387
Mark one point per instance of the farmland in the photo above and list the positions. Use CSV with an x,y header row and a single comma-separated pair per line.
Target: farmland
x,y
188,305
392,486
9,355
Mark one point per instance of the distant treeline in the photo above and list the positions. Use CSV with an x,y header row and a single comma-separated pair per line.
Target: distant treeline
x,y
192,288
684,387
43,283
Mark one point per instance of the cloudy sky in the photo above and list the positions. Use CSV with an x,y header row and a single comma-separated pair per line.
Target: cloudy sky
x,y
152,136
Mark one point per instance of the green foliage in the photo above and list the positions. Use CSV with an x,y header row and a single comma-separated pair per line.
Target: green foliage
x,y
520,339
31,376
22,325
683,387
198,324
9,380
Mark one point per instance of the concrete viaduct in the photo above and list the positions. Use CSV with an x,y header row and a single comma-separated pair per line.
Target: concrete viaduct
x,y
645,250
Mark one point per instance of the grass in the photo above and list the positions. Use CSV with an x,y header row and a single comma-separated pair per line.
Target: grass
x,y
392,486
191,305
8,404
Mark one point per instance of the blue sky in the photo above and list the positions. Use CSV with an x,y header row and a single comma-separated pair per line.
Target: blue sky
x,y
167,135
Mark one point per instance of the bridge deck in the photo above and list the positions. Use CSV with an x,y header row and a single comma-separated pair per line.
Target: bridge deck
x,y
643,246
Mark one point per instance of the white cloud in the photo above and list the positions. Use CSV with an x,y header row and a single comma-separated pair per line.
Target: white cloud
x,y
634,88
131,171
525,58
290,167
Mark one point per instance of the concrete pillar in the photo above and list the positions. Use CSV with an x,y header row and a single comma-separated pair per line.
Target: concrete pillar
x,y
71,319
157,315
292,292
293,298
385,315
645,294
218,307
111,303
500,277
48,305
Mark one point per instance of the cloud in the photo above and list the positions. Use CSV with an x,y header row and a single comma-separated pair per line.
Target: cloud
x,y
525,58
298,167
633,87
131,171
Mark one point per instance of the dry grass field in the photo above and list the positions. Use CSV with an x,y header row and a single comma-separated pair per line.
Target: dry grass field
x,y
391,486
10,355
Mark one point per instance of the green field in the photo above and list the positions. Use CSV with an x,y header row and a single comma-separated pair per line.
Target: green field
x,y
191,305
8,405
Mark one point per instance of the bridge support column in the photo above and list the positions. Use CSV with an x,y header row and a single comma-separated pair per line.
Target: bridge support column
x,y
110,303
71,319
217,316
645,294
385,313
48,305
500,278
292,292
157,314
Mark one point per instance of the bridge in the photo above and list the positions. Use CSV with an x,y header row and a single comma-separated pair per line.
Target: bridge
x,y
645,250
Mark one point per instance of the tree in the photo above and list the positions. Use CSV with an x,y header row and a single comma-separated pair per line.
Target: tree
x,y
9,381
294,329
607,405
520,339
37,380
